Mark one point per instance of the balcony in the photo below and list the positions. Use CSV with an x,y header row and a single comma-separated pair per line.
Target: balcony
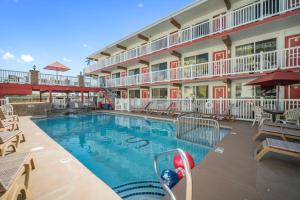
x,y
243,65
254,12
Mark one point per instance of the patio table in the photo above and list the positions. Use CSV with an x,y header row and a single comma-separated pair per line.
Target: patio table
x,y
274,113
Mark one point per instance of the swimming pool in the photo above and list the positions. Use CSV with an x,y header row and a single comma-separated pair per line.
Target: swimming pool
x,y
119,149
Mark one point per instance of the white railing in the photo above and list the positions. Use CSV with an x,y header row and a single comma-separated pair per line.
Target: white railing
x,y
4,101
8,76
22,99
91,82
256,11
254,63
50,79
241,109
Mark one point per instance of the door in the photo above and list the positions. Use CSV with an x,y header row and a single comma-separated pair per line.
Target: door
x,y
219,64
173,66
145,75
219,104
174,93
293,53
145,94
123,78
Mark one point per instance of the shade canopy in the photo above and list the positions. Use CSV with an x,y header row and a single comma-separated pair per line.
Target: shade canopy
x,y
278,77
56,66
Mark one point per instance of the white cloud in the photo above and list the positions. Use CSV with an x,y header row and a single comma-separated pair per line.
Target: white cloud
x,y
8,56
85,45
67,60
140,5
27,58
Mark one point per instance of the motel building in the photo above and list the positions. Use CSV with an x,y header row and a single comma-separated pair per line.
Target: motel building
x,y
206,51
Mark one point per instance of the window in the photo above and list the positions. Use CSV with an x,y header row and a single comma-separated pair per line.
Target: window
x,y
266,92
134,93
116,75
158,67
257,47
243,91
202,58
102,80
198,92
160,93
133,72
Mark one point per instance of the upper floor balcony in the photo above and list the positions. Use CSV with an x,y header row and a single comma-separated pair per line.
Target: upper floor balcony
x,y
259,10
236,66
36,78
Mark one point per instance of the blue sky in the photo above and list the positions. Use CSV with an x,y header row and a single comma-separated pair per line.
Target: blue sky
x,y
42,31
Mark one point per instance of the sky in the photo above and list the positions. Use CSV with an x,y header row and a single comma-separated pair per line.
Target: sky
x,y
39,32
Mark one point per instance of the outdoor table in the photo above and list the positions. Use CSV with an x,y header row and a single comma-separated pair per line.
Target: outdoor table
x,y
274,113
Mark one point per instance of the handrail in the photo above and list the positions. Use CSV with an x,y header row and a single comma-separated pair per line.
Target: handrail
x,y
188,174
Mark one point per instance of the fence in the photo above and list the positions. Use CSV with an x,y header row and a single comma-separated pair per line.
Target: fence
x,y
241,109
8,76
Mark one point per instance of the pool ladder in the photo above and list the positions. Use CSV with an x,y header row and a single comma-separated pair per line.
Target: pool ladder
x,y
188,175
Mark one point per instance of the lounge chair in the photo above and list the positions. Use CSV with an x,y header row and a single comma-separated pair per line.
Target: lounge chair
x,y
15,171
284,133
10,139
277,124
144,109
8,117
8,125
277,146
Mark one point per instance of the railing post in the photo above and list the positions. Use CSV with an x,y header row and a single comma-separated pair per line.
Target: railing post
x,y
34,77
81,80
261,60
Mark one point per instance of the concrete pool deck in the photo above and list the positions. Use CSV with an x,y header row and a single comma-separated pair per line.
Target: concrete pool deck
x,y
58,174
231,175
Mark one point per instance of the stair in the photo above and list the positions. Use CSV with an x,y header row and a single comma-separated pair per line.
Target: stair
x,y
108,95
140,190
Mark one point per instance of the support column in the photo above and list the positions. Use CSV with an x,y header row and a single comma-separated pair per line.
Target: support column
x,y
50,96
82,95
34,77
41,96
80,80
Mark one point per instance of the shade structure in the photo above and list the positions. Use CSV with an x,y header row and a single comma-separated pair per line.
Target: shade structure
x,y
278,77
58,67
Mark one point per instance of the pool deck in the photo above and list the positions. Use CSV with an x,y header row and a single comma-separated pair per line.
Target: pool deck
x,y
58,175
231,175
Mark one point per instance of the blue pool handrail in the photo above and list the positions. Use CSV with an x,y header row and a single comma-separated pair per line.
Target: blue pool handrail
x,y
188,174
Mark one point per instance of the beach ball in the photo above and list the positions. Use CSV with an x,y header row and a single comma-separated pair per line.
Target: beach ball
x,y
180,172
169,177
178,163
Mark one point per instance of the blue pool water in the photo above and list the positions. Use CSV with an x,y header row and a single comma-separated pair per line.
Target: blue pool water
x,y
117,148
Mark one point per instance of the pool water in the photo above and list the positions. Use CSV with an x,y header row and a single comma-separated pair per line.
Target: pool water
x,y
118,148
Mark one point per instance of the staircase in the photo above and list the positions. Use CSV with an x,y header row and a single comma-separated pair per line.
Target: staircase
x,y
109,96
140,190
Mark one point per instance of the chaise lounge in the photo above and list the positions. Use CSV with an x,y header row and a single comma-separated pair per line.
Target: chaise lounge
x,y
10,139
284,133
14,175
8,125
4,117
277,146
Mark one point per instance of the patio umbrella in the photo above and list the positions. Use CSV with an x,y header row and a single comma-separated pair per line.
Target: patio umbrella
x,y
58,67
278,78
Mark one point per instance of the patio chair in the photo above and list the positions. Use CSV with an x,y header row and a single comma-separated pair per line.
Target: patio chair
x,y
8,117
284,133
15,170
291,116
144,109
259,115
8,125
9,139
277,146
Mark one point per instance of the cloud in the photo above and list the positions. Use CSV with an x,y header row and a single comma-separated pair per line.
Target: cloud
x,y
140,5
8,56
85,45
67,60
27,58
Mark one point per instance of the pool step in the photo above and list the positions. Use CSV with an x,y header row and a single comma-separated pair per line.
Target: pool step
x,y
140,190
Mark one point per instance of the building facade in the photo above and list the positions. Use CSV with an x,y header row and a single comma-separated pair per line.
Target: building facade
x,y
208,50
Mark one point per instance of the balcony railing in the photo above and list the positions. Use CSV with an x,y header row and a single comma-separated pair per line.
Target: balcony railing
x,y
254,12
241,109
250,64
7,76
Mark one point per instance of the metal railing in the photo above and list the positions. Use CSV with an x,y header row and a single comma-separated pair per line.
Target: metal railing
x,y
91,82
193,128
241,109
8,76
255,63
4,101
50,79
254,12
188,174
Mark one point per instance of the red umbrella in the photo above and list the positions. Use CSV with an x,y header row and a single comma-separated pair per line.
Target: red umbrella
x,y
58,67
278,77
